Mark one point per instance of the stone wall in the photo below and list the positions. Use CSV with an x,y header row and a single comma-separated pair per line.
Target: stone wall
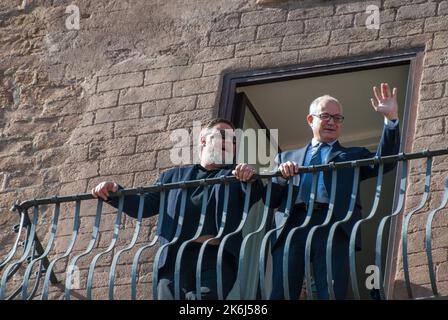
x,y
81,106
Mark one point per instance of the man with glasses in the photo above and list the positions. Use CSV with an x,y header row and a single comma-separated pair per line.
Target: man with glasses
x,y
217,154
326,121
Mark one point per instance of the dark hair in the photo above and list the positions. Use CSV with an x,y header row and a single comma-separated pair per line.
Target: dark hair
x,y
215,121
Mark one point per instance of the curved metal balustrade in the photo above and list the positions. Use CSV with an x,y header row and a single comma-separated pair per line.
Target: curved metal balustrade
x,y
37,264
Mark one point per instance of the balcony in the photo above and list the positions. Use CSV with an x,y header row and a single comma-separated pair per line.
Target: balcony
x,y
48,257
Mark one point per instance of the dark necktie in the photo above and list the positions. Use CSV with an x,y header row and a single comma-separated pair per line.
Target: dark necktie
x,y
307,178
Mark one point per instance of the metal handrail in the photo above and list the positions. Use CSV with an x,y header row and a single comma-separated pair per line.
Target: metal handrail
x,y
189,184
33,252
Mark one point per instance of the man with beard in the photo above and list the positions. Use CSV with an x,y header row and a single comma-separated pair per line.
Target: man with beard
x,y
216,152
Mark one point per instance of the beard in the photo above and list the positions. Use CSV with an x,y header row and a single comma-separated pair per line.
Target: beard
x,y
215,155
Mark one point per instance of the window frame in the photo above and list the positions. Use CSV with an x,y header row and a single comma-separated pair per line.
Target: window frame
x,y
414,57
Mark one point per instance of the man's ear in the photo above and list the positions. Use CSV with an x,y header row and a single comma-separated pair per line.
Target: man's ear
x,y
309,119
202,141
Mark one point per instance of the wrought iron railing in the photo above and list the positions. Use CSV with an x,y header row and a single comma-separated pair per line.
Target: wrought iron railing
x,y
28,254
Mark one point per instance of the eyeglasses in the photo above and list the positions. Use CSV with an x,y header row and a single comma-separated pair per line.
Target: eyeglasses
x,y
326,117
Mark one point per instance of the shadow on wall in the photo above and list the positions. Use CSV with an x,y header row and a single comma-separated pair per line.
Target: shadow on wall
x,y
418,291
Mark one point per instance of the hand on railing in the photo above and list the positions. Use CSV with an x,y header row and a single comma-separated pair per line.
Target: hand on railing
x,y
244,172
102,189
288,169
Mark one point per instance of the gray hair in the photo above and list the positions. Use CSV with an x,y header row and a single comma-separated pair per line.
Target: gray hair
x,y
325,98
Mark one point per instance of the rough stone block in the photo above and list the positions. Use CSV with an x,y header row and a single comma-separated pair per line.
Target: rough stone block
x,y
263,17
430,127
232,36
128,164
147,93
227,21
416,11
435,74
173,74
368,47
442,271
88,134
353,35
173,105
311,12
399,3
111,148
302,41
440,40
419,40
431,91
219,67
246,49
139,126
274,59
126,112
443,8
359,6
279,29
330,23
103,100
214,53
186,119
324,53
206,101
401,28
79,171
435,24
154,141
195,86
120,81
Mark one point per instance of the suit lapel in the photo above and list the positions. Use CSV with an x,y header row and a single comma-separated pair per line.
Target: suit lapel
x,y
299,157
335,150
301,154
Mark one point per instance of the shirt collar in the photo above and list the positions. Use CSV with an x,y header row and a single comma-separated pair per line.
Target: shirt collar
x,y
315,142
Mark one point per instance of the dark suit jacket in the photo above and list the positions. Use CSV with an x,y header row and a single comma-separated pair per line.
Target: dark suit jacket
x,y
167,230
389,144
